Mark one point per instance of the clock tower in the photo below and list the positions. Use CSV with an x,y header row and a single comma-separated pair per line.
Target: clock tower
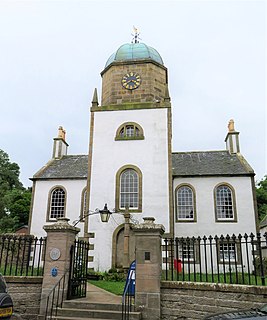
x,y
129,165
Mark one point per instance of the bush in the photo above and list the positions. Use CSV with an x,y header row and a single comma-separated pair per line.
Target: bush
x,y
258,266
114,275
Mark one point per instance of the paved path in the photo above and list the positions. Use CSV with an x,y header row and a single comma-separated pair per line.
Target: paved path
x,y
98,295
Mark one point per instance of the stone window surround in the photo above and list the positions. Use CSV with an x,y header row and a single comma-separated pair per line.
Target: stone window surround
x,y
117,190
48,219
134,137
183,245
234,219
194,203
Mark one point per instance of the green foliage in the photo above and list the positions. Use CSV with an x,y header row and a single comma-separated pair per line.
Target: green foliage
x,y
15,200
18,205
8,224
260,267
9,173
261,194
114,275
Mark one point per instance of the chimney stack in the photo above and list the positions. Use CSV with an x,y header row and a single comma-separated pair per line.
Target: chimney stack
x,y
232,138
60,148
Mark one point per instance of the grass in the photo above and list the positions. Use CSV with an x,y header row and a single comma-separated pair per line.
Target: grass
x,y
221,278
110,286
20,271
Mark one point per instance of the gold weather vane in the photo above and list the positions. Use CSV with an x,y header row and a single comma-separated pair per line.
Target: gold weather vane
x,y
135,35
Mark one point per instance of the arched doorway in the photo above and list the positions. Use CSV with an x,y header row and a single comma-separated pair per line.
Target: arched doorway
x,y
119,248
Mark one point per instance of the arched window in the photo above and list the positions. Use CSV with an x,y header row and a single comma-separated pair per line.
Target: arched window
x,y
57,203
129,131
83,204
129,189
185,203
224,203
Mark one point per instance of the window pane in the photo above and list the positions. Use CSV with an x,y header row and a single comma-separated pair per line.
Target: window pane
x,y
129,189
227,252
57,203
224,204
122,132
185,203
129,131
186,251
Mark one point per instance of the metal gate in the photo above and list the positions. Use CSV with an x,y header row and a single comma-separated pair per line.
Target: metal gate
x,y
78,269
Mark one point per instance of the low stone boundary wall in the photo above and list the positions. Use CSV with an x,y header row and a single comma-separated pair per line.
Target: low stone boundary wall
x,y
187,300
26,295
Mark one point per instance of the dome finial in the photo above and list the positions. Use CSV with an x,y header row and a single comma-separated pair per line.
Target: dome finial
x,y
135,35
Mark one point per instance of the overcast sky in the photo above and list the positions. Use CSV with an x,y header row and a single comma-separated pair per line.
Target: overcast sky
x,y
52,53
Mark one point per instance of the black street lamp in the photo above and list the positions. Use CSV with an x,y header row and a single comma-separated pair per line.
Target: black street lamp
x,y
104,215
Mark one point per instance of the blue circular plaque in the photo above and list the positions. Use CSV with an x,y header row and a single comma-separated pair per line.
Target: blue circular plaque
x,y
54,272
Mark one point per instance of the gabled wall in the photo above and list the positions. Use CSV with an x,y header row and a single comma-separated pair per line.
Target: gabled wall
x,y
73,187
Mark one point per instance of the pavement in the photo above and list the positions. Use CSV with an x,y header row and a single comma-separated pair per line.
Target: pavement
x,y
98,295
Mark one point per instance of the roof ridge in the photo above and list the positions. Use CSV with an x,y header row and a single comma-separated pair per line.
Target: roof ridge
x,y
40,171
200,151
244,163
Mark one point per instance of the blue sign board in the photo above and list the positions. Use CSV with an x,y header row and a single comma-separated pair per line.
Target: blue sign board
x,y
54,272
130,281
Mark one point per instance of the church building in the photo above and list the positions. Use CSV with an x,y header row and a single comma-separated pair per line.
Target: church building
x,y
131,167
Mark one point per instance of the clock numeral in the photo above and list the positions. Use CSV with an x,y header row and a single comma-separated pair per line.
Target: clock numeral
x,y
131,80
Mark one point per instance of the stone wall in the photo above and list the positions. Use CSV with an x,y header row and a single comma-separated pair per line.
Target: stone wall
x,y
184,300
153,83
26,295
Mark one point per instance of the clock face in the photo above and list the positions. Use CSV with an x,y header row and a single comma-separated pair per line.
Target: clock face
x,y
131,81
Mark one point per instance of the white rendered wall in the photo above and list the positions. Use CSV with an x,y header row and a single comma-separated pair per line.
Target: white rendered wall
x,y
73,189
149,155
205,210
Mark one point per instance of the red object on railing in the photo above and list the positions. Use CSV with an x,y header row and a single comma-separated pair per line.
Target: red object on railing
x,y
178,265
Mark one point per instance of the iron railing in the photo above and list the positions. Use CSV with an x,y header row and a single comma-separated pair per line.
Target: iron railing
x,y
225,259
21,255
77,284
128,297
55,298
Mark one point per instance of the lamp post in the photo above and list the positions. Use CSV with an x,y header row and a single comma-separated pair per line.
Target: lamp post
x,y
104,215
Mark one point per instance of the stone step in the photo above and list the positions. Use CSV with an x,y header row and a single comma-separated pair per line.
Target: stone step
x,y
28,316
71,318
94,313
74,304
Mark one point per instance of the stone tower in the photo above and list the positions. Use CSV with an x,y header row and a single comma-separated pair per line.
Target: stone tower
x,y
129,148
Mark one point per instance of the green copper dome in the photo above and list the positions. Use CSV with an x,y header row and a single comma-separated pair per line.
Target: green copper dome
x,y
134,51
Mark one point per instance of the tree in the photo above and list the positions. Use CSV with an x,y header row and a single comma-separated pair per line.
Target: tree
x,y
9,173
261,194
14,198
17,205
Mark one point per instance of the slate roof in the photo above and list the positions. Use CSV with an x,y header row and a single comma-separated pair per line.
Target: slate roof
x,y
200,163
207,163
67,167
